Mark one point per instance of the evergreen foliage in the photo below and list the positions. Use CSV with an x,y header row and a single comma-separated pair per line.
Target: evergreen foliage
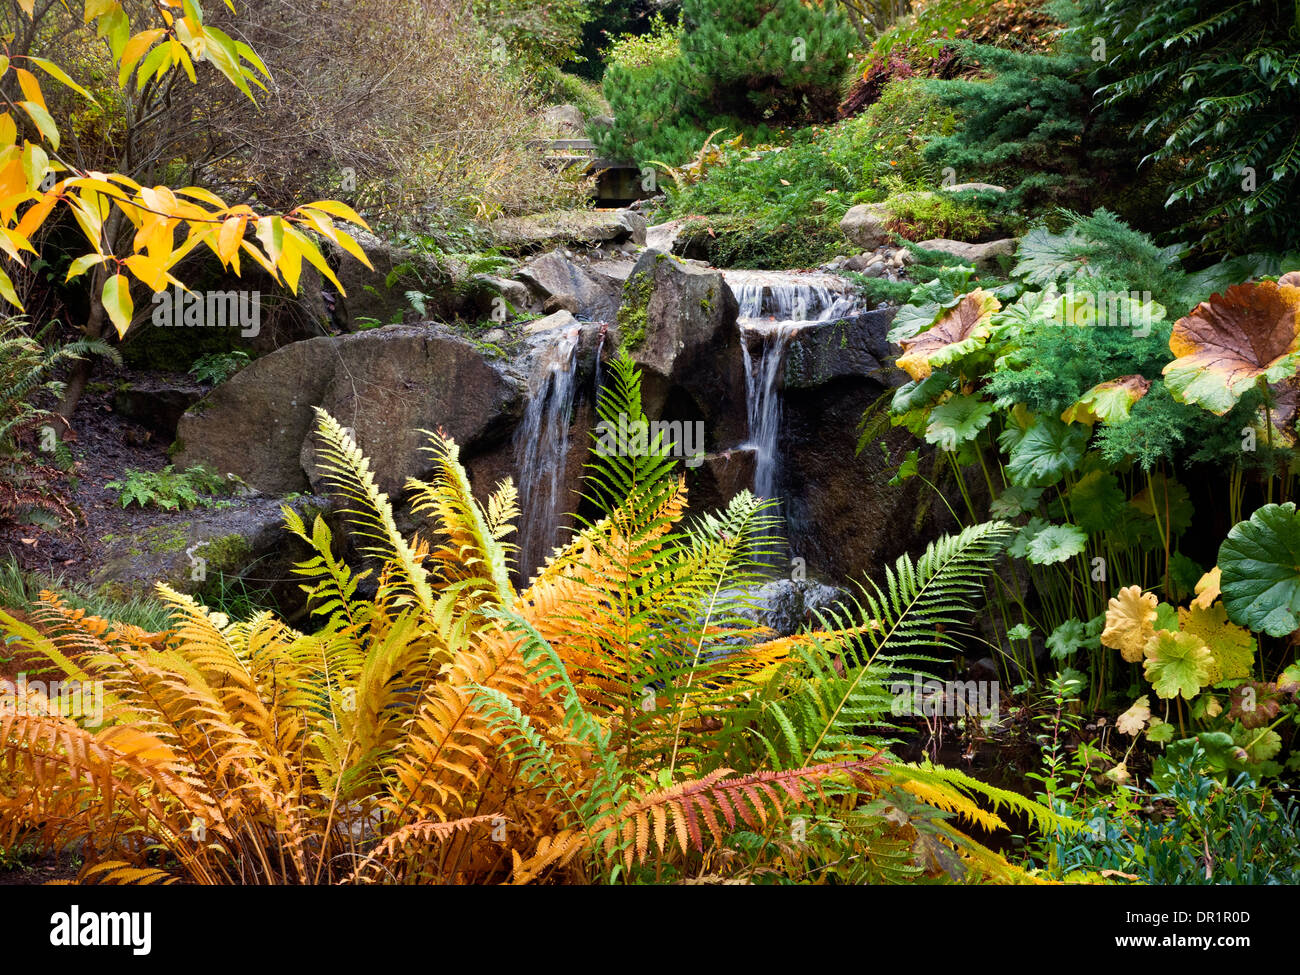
x,y
1210,90
742,65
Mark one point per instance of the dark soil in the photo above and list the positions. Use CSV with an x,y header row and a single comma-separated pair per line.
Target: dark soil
x,y
104,446
43,870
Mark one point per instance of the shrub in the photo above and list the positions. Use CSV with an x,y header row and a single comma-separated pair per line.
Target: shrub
x,y
1209,90
770,207
738,66
1027,126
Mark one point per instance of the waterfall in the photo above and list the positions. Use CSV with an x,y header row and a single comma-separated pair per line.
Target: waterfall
x,y
542,448
774,307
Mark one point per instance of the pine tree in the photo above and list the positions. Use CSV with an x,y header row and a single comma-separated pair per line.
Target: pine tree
x,y
744,65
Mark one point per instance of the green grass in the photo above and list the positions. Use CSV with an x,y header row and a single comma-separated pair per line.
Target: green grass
x,y
20,590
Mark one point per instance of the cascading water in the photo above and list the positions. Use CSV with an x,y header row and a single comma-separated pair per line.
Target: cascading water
x,y
542,447
774,307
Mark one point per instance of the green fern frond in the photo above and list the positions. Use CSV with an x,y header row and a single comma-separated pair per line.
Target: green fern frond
x,y
347,469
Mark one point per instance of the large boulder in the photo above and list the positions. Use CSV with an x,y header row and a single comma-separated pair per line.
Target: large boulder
x,y
590,228
555,276
865,225
386,384
678,321
982,257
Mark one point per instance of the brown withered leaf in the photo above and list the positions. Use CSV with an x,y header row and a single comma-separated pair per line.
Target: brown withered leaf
x,y
959,331
1229,342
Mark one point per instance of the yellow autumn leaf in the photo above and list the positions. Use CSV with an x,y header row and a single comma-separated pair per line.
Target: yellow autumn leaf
x,y
1132,721
1207,589
336,209
117,302
1130,622
1232,646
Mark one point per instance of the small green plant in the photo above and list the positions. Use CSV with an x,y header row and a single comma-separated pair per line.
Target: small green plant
x,y
170,489
217,367
1188,829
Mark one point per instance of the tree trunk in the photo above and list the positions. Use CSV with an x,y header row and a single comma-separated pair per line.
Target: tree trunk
x,y
82,369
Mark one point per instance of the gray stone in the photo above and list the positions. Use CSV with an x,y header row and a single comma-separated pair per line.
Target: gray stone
x,y
387,384
982,187
663,236
566,121
864,224
587,228
559,319
553,276
983,257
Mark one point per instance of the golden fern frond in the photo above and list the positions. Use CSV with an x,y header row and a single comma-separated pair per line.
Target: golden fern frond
x,y
503,509
411,841
952,781
121,872
558,850
347,469
472,556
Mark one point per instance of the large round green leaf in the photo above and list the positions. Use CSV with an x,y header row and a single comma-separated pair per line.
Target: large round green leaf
x,y
1047,452
1260,562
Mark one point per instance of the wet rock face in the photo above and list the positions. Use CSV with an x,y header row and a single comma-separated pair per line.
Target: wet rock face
x,y
386,384
788,605
678,321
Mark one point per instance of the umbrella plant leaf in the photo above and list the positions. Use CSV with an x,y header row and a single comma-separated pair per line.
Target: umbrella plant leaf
x,y
1232,646
1047,452
1176,663
958,420
1250,332
957,332
1097,501
1130,622
1066,639
1259,565
1056,543
1014,501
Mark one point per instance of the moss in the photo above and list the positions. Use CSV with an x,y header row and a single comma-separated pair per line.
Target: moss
x,y
165,538
633,313
706,303
226,553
